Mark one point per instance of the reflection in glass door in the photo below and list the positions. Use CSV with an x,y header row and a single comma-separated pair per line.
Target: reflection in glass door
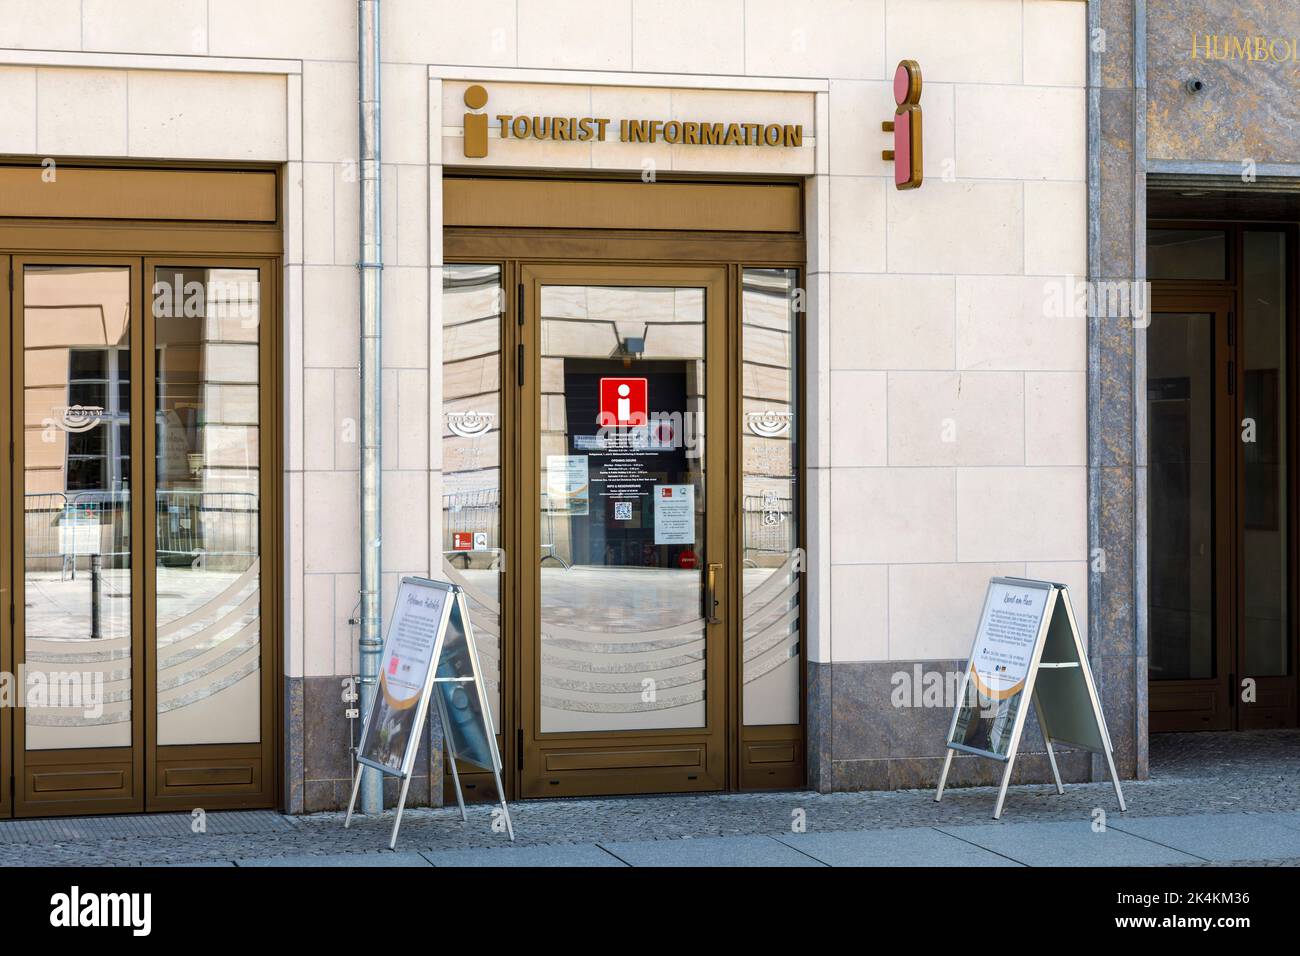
x,y
623,688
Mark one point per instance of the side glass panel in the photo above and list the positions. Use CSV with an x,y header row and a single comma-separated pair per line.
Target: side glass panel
x,y
770,510
472,547
207,501
77,479
1187,254
621,515
1264,505
1180,516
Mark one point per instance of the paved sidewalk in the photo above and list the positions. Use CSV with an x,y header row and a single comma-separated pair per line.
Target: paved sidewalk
x,y
1213,799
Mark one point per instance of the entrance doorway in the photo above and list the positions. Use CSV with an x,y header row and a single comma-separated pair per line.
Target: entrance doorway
x,y
1221,523
622,493
139,552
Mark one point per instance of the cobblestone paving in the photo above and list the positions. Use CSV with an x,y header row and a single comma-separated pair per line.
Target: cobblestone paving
x,y
1257,772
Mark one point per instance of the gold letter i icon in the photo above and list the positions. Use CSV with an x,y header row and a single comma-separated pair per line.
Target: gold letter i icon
x,y
476,124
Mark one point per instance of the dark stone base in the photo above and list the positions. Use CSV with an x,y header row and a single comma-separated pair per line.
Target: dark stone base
x,y
318,765
864,733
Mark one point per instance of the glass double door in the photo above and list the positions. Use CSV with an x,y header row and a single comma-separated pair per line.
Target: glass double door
x,y
134,535
1220,522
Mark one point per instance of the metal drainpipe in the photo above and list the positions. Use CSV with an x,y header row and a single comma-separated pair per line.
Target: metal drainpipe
x,y
370,268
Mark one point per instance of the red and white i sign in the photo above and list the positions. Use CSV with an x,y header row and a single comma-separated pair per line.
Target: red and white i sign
x,y
623,402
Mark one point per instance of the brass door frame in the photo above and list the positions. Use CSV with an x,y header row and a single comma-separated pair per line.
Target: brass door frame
x,y
6,559
596,766
217,769
98,764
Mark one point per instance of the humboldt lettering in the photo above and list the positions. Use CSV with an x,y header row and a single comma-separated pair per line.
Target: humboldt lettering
x,y
1254,49
582,129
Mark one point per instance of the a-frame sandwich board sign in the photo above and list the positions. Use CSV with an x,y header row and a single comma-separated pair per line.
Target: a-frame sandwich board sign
x,y
429,654
1027,648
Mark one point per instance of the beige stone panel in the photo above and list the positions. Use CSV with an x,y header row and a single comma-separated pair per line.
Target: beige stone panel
x,y
576,34
858,419
688,36
318,213
857,109
1022,514
822,38
960,227
411,198
298,29
857,211
318,624
406,317
1056,418
1056,42
329,130
939,133
145,26
81,112
957,41
406,520
888,515
347,419
404,137
18,119
892,322
1021,132
347,591
318,419
412,418
1056,228
47,25
331,533
481,33
860,612
231,363
934,608
1008,322
956,418
818,581
330,316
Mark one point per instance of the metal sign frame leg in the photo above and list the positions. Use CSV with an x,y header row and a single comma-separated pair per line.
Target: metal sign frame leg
x,y
401,805
1047,740
356,787
451,754
1006,779
943,777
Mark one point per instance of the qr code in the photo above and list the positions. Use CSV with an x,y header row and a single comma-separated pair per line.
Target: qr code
x,y
622,511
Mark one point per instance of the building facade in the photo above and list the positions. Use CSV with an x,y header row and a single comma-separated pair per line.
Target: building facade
x,y
609,230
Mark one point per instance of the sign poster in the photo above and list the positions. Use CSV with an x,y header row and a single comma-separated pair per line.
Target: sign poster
x,y
568,488
407,658
461,703
674,514
1000,662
